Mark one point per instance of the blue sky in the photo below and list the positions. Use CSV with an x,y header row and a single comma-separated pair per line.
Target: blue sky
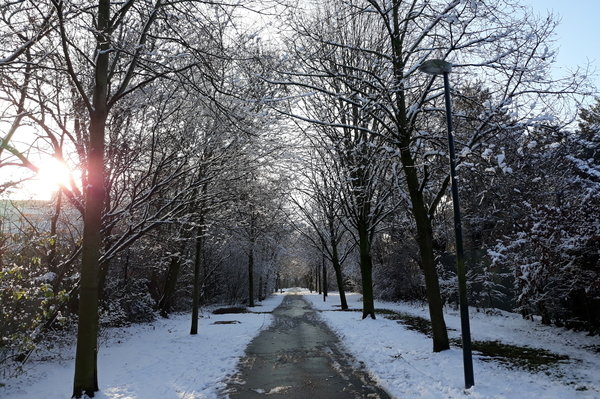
x,y
578,35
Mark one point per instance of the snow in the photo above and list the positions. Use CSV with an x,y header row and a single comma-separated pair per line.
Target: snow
x,y
161,360
487,154
48,277
404,364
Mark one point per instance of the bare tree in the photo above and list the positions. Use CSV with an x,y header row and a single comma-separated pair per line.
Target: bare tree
x,y
22,25
320,202
507,46
110,51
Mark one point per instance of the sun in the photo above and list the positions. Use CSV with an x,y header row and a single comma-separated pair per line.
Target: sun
x,y
52,173
55,172
44,185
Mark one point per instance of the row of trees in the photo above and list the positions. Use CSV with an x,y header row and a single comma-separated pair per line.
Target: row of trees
x,y
164,120
217,164
381,124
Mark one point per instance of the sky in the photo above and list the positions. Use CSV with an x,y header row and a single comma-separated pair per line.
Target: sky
x,y
578,34
162,360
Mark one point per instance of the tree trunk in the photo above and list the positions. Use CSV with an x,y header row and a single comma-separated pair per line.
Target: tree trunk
x,y
87,335
318,286
335,260
324,280
52,264
164,305
251,276
340,281
85,380
366,271
102,276
196,294
425,242
207,288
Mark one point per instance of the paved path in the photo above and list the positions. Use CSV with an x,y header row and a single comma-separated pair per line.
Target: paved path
x,y
300,358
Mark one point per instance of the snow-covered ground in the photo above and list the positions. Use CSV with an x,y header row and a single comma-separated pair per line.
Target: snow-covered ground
x,y
160,360
163,361
404,364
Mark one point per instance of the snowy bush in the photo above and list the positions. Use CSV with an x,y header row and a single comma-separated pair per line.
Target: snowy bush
x,y
556,266
396,272
33,298
129,303
556,271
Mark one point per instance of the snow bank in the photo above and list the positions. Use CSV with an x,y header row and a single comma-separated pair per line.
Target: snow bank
x,y
160,360
404,364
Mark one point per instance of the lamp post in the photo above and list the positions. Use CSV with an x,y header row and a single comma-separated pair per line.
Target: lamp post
x,y
441,67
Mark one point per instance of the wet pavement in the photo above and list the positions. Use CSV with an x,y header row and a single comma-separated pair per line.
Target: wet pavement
x,y
299,357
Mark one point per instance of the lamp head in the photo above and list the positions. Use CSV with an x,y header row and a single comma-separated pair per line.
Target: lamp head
x,y
435,67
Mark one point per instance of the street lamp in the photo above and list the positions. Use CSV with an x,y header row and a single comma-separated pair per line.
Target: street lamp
x,y
441,67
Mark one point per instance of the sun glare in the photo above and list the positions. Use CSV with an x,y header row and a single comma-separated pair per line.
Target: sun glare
x,y
52,174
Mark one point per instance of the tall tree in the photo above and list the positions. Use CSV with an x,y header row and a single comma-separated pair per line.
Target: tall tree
x,y
257,216
111,50
350,133
320,204
504,41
